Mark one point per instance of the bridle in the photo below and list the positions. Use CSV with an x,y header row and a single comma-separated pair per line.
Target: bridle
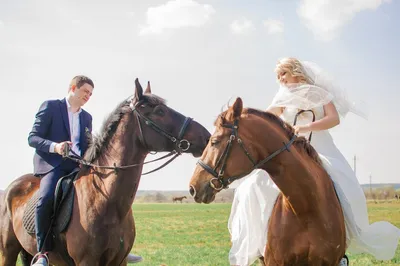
x,y
218,177
181,144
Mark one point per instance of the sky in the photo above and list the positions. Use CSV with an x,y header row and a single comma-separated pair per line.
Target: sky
x,y
199,55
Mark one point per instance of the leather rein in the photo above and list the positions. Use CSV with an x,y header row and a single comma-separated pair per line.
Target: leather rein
x,y
181,144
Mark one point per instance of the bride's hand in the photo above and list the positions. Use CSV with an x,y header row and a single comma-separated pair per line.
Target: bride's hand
x,y
301,129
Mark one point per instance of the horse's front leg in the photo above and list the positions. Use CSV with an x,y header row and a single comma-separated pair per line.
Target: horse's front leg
x,y
124,263
88,261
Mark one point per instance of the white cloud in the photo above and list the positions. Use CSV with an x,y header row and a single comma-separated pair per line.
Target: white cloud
x,y
273,26
1,23
176,14
326,18
242,26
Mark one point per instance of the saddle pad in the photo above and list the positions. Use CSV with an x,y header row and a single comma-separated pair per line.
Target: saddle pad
x,y
62,218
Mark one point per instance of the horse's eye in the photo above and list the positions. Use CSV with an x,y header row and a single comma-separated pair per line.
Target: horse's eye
x,y
159,111
214,142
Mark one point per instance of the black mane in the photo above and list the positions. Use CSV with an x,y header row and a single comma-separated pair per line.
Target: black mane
x,y
98,145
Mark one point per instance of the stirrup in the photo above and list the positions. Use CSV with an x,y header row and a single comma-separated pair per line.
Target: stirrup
x,y
40,254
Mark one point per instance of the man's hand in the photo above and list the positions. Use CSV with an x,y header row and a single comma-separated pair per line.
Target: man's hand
x,y
59,147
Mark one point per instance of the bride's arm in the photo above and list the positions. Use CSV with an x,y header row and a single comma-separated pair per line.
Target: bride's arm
x,y
330,120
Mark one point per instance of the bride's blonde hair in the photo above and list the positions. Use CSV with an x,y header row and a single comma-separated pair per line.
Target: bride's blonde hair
x,y
294,67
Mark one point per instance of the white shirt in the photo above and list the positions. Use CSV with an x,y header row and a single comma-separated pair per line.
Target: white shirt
x,y
74,129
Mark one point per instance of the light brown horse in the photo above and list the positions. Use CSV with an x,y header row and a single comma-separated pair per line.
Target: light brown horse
x,y
178,199
102,230
306,226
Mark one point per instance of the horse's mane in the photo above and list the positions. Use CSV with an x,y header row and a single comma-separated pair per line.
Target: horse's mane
x,y
300,142
98,145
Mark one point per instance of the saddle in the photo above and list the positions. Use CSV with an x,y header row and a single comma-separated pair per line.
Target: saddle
x,y
62,208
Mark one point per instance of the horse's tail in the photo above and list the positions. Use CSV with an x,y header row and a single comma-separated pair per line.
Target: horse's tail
x,y
6,201
18,187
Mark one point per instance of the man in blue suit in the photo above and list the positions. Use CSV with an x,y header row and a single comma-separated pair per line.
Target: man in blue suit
x,y
59,123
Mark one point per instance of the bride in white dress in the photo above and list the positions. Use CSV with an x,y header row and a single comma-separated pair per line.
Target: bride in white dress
x,y
305,86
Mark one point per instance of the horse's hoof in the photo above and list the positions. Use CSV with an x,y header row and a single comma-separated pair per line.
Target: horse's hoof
x,y
132,258
344,261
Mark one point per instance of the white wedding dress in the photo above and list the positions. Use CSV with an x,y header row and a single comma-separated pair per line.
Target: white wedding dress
x,y
256,194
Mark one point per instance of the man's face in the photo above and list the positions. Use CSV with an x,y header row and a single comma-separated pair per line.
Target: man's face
x,y
82,94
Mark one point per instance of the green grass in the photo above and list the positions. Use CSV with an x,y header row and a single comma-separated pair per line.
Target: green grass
x,y
378,212
182,234
197,234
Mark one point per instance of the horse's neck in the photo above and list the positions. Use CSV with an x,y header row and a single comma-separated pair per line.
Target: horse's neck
x,y
290,171
117,189
293,180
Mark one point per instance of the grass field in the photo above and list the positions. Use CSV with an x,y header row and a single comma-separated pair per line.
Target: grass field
x,y
197,234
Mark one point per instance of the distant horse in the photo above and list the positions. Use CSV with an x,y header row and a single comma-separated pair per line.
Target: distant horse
x,y
397,196
178,199
306,226
101,229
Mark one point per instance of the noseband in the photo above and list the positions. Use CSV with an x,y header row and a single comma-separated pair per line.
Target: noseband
x,y
218,177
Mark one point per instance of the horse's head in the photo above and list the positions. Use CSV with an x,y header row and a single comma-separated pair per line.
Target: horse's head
x,y
244,139
224,156
178,132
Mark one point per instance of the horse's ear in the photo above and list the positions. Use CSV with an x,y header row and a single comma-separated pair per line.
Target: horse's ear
x,y
236,109
138,90
148,89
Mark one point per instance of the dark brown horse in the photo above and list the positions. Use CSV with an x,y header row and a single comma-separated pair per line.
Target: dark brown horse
x,y
102,230
306,226
178,199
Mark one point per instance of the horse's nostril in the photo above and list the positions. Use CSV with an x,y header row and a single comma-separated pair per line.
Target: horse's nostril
x,y
192,191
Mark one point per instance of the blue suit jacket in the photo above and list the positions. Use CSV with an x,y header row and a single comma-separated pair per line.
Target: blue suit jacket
x,y
52,125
